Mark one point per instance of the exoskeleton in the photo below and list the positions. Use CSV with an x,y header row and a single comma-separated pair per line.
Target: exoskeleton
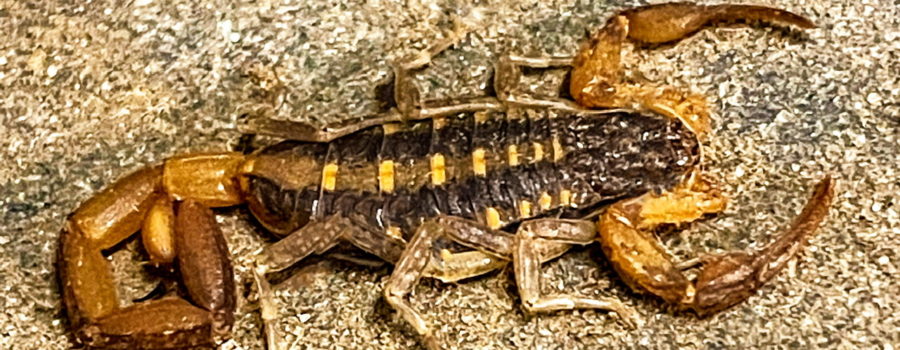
x,y
446,190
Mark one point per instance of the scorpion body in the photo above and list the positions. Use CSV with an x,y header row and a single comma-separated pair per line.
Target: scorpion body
x,y
532,166
446,190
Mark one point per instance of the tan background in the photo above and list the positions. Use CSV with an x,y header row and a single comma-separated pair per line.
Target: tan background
x,y
92,91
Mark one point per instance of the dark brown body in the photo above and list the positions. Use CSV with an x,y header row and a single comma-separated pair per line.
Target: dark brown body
x,y
603,158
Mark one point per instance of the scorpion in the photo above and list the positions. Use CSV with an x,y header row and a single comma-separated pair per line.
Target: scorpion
x,y
447,190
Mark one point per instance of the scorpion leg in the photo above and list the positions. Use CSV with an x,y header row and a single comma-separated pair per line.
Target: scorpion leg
x,y
405,97
316,237
401,96
697,196
724,279
597,80
313,238
415,260
526,257
493,249
454,267
301,131
507,76
116,213
451,267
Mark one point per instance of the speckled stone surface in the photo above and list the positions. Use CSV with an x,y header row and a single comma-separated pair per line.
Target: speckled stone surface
x,y
93,90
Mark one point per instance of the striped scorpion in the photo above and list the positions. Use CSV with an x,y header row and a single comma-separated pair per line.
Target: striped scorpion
x,y
442,189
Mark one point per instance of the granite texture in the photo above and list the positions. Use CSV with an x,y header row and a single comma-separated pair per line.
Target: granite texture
x,y
90,91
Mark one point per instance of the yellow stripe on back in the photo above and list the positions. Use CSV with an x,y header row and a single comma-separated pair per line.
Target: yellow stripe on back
x,y
481,117
538,151
524,209
492,218
479,165
386,176
557,149
513,153
329,176
438,169
565,198
545,201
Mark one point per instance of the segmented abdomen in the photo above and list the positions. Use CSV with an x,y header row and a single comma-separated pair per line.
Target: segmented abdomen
x,y
491,167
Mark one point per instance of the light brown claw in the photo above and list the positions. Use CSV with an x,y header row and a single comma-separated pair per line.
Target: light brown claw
x,y
118,212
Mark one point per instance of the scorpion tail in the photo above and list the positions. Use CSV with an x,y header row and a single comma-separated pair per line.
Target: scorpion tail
x,y
724,279
728,279
663,23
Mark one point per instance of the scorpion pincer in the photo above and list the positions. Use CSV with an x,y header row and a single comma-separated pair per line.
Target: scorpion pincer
x,y
448,190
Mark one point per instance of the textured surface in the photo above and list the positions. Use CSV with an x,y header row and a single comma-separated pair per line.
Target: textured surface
x,y
90,92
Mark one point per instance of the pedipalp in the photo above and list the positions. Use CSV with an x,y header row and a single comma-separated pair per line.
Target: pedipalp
x,y
724,279
171,203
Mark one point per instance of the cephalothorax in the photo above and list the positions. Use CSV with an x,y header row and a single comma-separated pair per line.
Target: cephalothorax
x,y
444,190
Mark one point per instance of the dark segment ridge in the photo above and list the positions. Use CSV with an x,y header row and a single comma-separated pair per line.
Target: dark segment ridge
x,y
410,144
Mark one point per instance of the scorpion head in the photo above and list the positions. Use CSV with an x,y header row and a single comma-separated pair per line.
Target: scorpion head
x,y
281,183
